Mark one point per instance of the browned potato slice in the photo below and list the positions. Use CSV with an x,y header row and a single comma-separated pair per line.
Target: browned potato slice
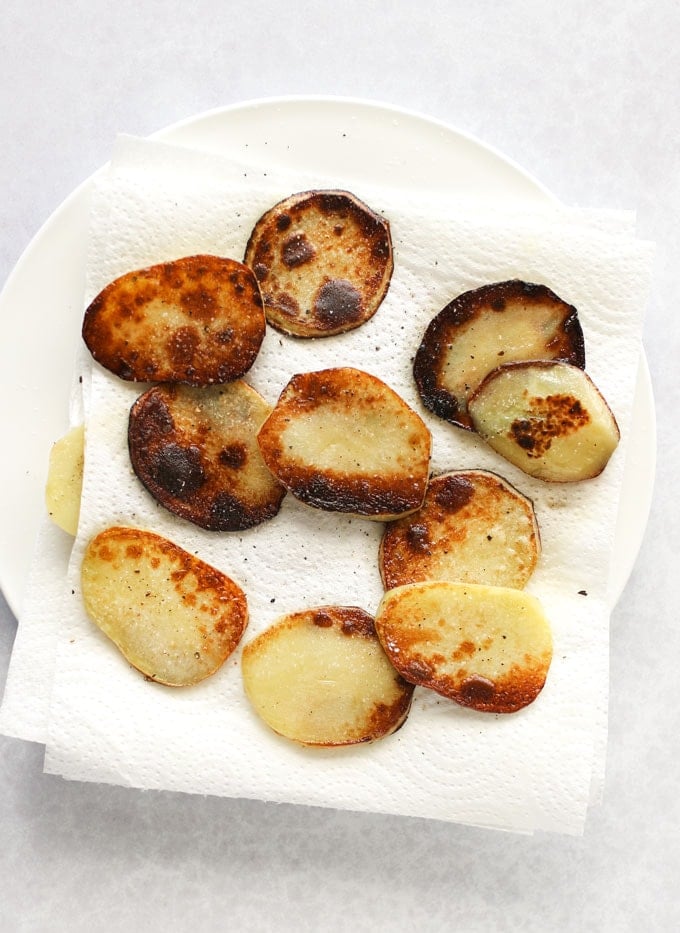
x,y
481,329
549,419
65,479
340,439
323,260
473,527
196,452
320,677
486,647
174,618
197,320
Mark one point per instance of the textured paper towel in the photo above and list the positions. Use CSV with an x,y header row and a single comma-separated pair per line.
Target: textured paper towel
x,y
528,771
25,706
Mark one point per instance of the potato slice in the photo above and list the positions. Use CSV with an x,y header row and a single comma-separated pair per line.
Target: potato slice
x,y
196,451
197,320
481,329
323,260
485,647
64,484
547,418
320,677
342,440
473,527
173,617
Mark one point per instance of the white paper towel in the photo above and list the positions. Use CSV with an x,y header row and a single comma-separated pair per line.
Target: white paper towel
x,y
527,771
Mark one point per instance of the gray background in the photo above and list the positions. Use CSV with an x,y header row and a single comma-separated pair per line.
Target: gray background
x,y
584,95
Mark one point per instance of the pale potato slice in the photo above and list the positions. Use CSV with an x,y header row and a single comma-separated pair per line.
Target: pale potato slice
x,y
473,527
485,647
173,617
65,479
323,260
342,440
485,327
195,450
547,418
197,320
321,677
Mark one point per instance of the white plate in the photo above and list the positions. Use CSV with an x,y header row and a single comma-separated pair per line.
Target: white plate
x,y
41,304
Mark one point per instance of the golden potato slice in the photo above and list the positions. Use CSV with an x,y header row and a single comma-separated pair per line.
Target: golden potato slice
x,y
548,418
65,479
342,440
485,647
323,260
196,320
473,527
173,617
196,451
320,677
481,329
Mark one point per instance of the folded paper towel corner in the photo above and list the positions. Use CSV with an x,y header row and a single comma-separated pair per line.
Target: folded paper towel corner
x,y
101,721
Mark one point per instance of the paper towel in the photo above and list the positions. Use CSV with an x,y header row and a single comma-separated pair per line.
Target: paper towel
x,y
523,772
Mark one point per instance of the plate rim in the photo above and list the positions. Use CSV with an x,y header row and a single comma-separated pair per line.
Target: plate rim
x,y
622,567
368,103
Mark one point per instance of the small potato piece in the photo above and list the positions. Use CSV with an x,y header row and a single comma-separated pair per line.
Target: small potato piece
x,y
481,329
485,647
197,320
474,527
320,677
195,450
547,418
323,260
65,479
342,440
174,618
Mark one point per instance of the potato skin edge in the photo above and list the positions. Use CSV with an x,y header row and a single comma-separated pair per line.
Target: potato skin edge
x,y
542,364
266,230
383,499
209,577
462,308
510,694
191,508
170,281
354,622
399,547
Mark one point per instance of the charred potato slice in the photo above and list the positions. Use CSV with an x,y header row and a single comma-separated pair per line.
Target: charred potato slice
x,y
320,677
197,320
323,260
548,419
481,329
196,451
485,647
473,527
342,440
65,479
172,616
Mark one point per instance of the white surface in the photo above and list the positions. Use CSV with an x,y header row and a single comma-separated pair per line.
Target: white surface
x,y
585,100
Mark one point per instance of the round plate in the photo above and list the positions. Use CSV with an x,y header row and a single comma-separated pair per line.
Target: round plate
x,y
41,304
